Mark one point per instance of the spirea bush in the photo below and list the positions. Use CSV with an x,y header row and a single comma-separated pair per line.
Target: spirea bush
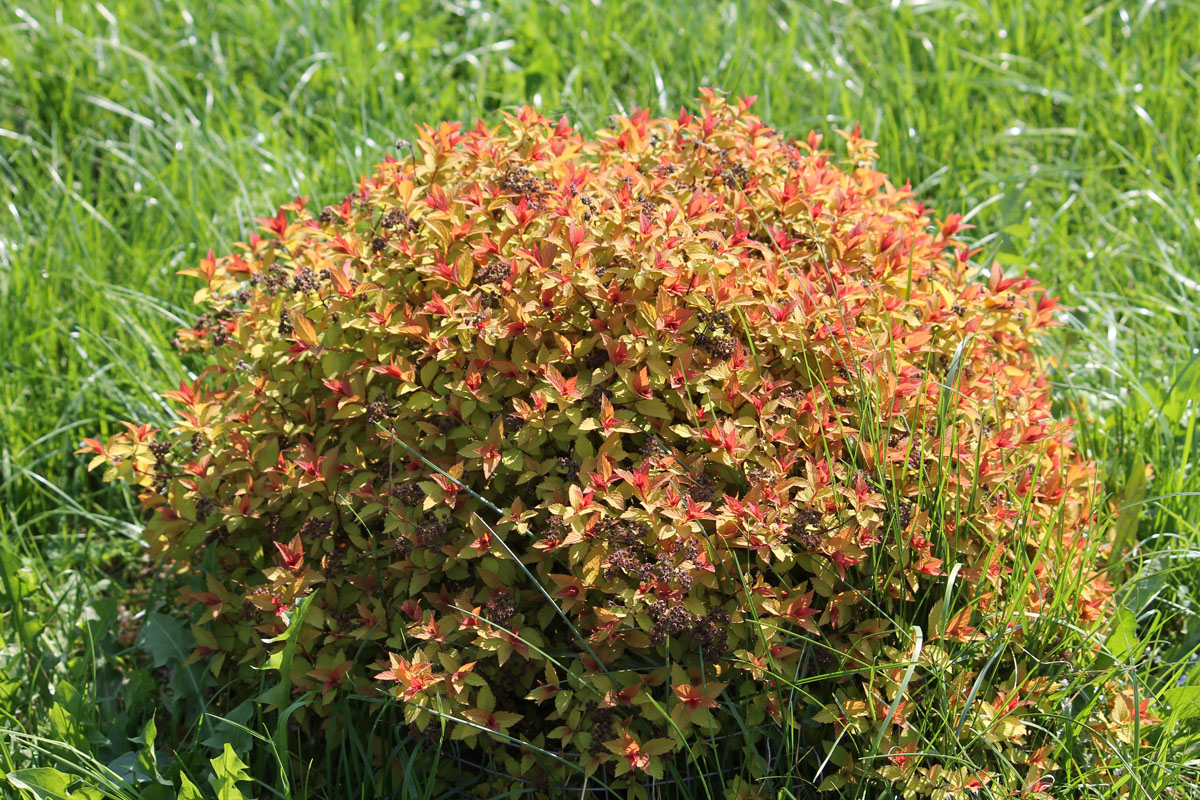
x,y
606,455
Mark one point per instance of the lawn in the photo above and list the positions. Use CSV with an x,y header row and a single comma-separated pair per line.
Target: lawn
x,y
137,134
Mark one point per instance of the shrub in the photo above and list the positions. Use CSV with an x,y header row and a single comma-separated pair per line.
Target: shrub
x,y
625,447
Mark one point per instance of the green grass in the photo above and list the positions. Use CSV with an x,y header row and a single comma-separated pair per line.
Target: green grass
x,y
136,134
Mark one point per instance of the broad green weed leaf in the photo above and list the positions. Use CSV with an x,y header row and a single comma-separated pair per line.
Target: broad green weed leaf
x,y
228,771
17,580
1185,700
147,759
279,694
165,639
67,715
43,783
188,790
1123,641
223,731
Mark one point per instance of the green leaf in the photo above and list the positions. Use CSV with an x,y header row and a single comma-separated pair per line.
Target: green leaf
x,y
512,459
68,720
18,581
419,401
428,372
99,616
1123,641
1185,700
165,638
654,408
228,730
32,628
333,363
168,641
228,770
188,790
147,759
279,694
43,783
268,455
583,446
1153,577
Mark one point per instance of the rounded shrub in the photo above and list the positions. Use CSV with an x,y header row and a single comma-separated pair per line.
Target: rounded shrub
x,y
677,445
